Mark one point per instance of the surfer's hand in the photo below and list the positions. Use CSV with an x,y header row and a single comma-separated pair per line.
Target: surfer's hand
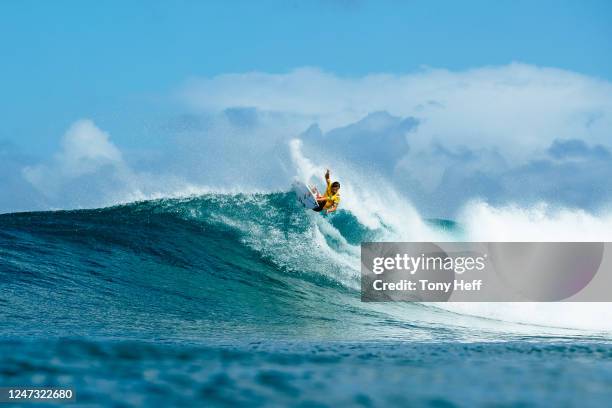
x,y
327,173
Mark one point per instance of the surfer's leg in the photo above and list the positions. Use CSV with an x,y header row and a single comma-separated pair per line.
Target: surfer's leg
x,y
320,206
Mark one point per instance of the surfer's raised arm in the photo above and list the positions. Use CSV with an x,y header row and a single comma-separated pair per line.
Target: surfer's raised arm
x,y
327,179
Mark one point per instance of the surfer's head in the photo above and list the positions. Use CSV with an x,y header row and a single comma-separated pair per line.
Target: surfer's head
x,y
335,187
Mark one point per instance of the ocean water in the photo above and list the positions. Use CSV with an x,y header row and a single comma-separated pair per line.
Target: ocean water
x,y
225,299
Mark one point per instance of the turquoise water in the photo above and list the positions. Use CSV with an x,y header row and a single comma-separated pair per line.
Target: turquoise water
x,y
226,299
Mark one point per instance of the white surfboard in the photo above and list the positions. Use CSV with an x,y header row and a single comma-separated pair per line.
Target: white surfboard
x,y
304,195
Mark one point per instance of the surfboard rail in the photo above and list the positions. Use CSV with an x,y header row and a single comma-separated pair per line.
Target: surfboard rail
x,y
304,194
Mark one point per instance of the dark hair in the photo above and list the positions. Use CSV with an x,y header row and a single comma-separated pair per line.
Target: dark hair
x,y
336,184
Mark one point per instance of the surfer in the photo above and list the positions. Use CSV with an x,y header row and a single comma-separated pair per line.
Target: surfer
x,y
330,200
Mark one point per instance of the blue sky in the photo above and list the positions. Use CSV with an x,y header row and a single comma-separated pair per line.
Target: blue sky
x,y
133,67
62,60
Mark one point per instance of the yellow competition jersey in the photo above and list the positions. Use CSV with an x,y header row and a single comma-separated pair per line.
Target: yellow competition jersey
x,y
331,198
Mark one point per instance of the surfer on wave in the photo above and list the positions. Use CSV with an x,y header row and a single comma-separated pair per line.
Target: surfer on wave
x,y
329,201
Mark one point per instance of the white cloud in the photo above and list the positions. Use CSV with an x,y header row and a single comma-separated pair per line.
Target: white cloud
x,y
85,149
90,171
518,108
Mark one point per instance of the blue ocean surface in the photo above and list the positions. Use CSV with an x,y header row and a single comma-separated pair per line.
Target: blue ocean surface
x,y
247,299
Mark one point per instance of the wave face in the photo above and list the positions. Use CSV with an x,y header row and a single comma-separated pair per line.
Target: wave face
x,y
210,268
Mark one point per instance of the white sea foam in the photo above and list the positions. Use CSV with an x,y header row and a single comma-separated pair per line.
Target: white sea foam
x,y
541,223
374,203
377,206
